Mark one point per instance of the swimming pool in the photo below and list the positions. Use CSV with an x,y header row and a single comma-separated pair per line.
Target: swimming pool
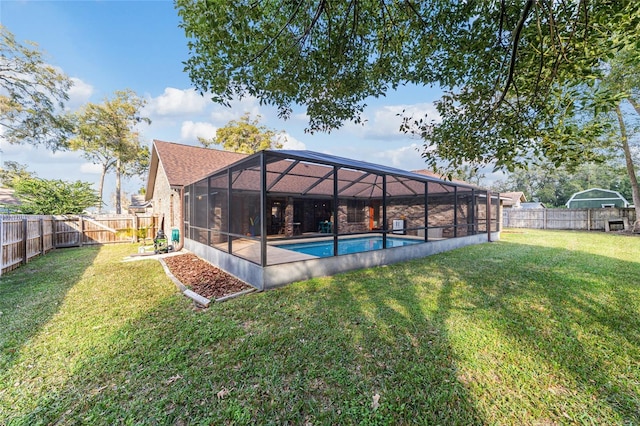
x,y
346,246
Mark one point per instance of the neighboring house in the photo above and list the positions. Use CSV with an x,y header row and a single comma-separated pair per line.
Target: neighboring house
x,y
139,205
175,165
596,198
513,200
7,200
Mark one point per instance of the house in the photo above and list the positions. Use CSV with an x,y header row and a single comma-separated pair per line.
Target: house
x,y
139,205
173,166
513,200
275,217
596,198
8,202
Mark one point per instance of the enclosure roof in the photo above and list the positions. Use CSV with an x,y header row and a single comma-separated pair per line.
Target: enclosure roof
x,y
308,173
357,164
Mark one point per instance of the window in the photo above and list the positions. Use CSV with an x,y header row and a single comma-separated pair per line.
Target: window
x,y
355,211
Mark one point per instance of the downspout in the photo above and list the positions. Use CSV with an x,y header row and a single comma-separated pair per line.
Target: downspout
x,y
489,216
181,241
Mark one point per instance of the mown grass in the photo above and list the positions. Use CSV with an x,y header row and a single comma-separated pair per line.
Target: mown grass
x,y
539,328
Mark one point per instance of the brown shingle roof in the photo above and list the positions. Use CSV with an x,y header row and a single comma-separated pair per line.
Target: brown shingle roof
x,y
184,164
433,174
512,198
7,197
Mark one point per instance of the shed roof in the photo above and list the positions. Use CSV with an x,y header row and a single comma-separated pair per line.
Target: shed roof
x,y
600,195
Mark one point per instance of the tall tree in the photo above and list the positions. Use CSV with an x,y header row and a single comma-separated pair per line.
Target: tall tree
x,y
246,135
512,71
32,95
107,135
624,142
42,196
615,102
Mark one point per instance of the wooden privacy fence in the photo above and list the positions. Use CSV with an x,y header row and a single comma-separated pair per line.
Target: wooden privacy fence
x,y
23,237
576,219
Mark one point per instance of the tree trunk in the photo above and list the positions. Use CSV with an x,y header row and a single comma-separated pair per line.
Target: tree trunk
x,y
624,138
101,187
118,188
634,103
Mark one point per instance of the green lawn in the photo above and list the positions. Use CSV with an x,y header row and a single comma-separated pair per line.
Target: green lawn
x,y
540,328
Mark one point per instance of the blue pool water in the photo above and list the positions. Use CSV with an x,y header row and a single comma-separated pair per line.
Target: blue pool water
x,y
348,246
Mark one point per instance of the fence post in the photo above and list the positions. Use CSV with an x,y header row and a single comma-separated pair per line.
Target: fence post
x,y
544,219
54,232
1,245
588,219
41,236
136,225
81,231
488,214
24,240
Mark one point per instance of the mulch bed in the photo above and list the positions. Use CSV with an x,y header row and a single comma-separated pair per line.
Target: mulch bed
x,y
204,278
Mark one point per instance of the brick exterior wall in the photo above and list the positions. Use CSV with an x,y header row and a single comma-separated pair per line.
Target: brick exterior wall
x,y
166,202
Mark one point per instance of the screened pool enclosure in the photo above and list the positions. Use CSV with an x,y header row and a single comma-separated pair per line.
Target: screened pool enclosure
x,y
280,216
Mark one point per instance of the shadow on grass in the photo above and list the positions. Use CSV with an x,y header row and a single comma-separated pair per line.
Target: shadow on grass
x,y
573,310
319,352
32,294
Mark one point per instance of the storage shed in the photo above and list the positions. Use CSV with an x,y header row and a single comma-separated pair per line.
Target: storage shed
x,y
596,198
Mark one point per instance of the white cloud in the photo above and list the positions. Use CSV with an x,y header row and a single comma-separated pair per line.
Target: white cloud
x,y
190,131
91,168
301,116
79,94
238,107
292,143
405,158
177,102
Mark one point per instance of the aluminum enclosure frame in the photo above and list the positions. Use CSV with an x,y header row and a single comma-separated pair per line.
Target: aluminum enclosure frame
x,y
235,216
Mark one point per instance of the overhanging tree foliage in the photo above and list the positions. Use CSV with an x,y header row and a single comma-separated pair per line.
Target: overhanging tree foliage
x,y
32,95
246,135
513,72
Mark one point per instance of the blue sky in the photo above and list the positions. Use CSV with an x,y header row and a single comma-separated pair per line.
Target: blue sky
x,y
112,45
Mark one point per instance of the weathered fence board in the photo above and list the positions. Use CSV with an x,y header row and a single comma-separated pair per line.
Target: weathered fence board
x,y
576,219
23,237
